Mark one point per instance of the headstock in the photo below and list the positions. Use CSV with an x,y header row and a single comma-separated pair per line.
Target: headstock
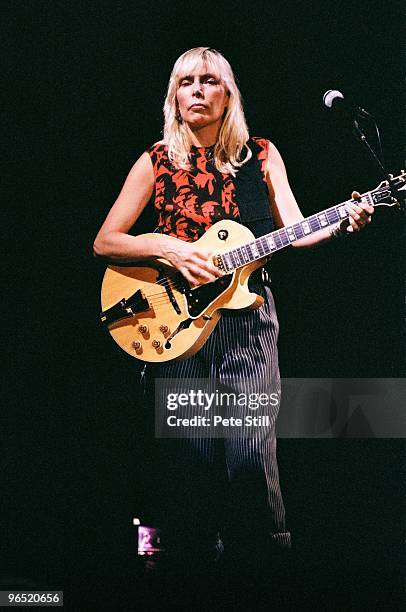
x,y
388,194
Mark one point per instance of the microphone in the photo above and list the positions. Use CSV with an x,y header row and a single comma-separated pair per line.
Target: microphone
x,y
334,100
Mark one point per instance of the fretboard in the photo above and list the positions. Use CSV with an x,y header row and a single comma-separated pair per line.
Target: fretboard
x,y
279,239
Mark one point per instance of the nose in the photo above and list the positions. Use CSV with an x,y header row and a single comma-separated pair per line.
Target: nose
x,y
197,88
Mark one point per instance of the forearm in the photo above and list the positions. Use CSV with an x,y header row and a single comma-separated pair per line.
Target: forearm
x,y
194,263
319,237
121,247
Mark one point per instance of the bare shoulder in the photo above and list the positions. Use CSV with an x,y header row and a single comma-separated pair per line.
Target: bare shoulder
x,y
270,157
284,206
275,161
142,169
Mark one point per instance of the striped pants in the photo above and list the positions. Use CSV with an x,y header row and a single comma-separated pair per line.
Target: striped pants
x,y
240,353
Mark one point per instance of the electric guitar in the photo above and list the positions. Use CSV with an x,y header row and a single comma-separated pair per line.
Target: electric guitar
x,y
154,315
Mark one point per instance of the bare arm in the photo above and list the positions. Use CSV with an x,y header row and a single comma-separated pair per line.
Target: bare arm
x,y
114,242
286,211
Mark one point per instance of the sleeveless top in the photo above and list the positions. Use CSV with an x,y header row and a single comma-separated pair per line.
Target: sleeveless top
x,y
188,202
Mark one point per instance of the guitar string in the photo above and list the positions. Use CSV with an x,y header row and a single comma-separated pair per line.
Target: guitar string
x,y
177,284
279,234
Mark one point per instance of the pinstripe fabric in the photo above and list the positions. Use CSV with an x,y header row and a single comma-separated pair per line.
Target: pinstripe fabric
x,y
241,352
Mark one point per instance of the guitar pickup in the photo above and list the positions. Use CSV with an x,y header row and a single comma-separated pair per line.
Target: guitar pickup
x,y
165,282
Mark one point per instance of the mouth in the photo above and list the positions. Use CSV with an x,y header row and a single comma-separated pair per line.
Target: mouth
x,y
197,106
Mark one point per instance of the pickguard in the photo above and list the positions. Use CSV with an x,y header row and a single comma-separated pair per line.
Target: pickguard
x,y
200,297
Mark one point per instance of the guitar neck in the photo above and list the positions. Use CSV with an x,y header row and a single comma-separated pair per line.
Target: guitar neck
x,y
279,239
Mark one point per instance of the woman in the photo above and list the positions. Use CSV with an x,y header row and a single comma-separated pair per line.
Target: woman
x,y
193,179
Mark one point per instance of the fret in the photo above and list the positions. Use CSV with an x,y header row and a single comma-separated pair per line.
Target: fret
x,y
260,244
332,215
297,228
284,237
278,239
368,199
314,223
254,250
290,234
342,212
271,243
249,252
228,262
243,255
364,199
238,256
233,259
322,219
306,227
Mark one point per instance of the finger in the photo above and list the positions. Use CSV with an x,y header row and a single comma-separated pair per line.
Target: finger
x,y
191,272
193,282
360,213
368,209
204,255
202,274
363,209
191,278
207,265
354,212
197,281
353,226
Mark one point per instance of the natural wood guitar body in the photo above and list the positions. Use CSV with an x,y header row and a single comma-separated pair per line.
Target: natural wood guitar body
x,y
172,321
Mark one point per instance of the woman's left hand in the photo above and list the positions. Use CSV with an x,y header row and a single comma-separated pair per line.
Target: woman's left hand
x,y
359,213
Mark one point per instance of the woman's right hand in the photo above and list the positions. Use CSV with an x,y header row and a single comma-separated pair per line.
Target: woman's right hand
x,y
194,263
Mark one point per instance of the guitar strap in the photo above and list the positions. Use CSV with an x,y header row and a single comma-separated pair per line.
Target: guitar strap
x,y
253,203
252,195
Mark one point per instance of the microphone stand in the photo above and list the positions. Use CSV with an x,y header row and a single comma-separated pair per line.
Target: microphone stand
x,y
360,135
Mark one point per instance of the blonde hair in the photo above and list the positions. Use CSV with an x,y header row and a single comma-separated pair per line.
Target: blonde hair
x,y
233,134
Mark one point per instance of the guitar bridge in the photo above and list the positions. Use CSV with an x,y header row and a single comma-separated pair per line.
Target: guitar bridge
x,y
125,308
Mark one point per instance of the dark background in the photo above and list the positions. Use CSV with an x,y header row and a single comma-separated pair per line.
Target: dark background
x,y
87,84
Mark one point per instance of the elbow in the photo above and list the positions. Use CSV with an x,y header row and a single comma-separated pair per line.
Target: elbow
x,y
96,251
99,249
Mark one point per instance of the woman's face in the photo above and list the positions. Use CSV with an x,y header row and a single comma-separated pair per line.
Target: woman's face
x,y
202,99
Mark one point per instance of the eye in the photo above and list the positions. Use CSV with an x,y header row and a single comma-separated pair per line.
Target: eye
x,y
212,81
185,82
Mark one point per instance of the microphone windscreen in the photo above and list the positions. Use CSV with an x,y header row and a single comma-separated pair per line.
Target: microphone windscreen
x,y
331,96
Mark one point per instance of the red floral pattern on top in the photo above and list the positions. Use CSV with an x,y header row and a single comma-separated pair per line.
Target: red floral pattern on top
x,y
188,202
